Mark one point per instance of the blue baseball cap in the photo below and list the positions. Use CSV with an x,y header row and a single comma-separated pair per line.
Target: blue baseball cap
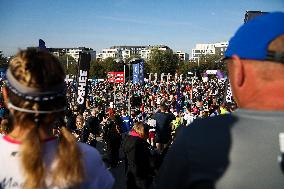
x,y
252,39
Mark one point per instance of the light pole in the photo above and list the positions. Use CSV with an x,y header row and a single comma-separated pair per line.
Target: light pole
x,y
129,63
129,90
121,61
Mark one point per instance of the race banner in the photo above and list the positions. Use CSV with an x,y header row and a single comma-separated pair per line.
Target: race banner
x,y
141,72
135,73
115,77
228,93
138,72
41,44
219,74
211,72
82,81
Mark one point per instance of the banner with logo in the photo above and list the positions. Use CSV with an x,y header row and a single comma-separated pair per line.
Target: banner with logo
x,y
41,44
141,72
138,72
135,73
220,74
82,78
228,93
115,77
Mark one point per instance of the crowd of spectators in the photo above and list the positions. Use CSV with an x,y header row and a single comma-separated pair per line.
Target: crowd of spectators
x,y
159,108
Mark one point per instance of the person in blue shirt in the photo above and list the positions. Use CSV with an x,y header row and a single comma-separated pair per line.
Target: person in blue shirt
x,y
127,122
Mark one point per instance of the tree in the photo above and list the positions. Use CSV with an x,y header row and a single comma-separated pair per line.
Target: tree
x,y
70,66
162,61
185,67
211,62
112,66
99,69
206,62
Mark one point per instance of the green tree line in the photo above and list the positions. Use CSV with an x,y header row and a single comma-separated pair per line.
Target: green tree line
x,y
159,62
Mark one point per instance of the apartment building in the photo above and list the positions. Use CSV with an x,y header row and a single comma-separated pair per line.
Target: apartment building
x,y
182,55
74,52
125,52
207,49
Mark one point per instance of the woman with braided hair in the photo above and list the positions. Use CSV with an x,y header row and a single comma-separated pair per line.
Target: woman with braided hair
x,y
30,156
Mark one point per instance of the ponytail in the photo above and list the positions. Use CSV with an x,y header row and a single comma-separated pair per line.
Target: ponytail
x,y
31,158
68,172
69,164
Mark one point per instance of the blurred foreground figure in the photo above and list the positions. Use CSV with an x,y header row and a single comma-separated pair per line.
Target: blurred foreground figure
x,y
243,149
30,156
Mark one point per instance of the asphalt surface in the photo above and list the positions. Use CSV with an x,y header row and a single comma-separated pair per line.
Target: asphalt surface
x,y
118,172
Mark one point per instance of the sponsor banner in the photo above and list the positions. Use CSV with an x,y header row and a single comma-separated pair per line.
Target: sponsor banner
x,y
41,44
115,77
82,82
219,74
228,93
141,72
138,72
211,72
135,73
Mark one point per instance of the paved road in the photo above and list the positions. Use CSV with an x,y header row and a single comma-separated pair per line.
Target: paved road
x,y
117,172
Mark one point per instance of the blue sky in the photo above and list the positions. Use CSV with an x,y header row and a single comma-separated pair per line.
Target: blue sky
x,y
99,24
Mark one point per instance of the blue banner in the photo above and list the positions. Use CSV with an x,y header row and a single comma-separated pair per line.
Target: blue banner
x,y
135,73
141,72
41,44
219,74
138,73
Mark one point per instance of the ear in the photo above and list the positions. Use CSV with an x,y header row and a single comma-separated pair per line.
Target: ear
x,y
238,71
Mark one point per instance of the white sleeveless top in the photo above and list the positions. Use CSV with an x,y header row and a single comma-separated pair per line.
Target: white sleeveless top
x,y
11,176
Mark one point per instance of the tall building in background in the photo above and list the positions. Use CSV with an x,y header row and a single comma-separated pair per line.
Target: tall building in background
x,y
182,55
110,52
128,51
207,49
73,52
125,52
146,53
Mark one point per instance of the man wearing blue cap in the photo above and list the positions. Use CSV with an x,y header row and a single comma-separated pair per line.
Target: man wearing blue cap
x,y
243,149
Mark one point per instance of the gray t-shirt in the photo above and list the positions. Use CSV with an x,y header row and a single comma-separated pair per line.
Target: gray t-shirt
x,y
238,150
255,151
